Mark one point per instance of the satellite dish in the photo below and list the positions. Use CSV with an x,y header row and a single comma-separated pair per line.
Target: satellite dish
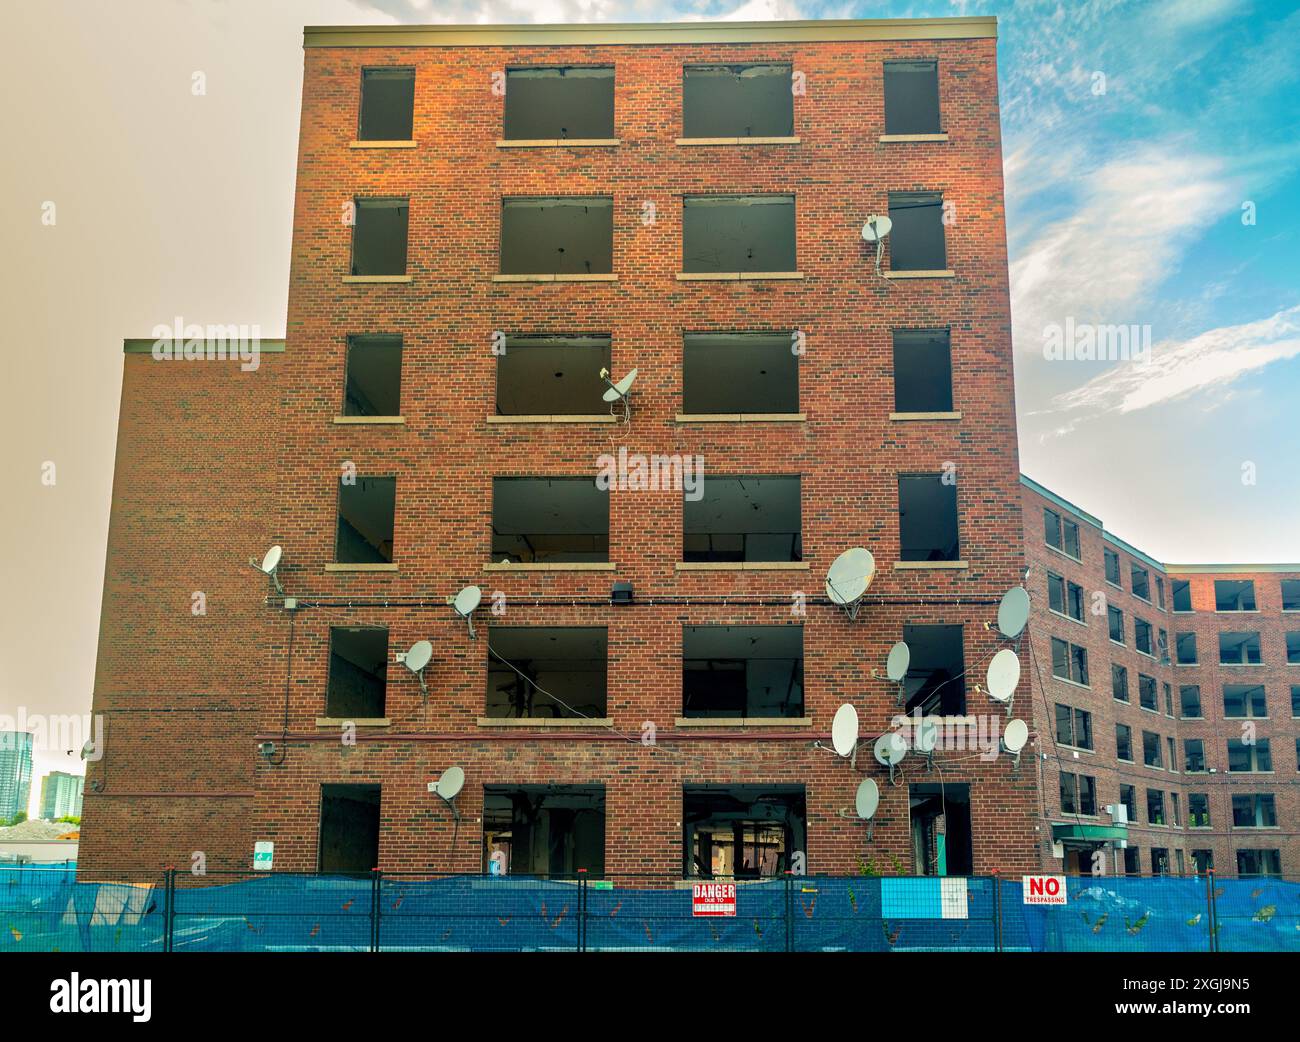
x,y
270,564
900,657
451,782
618,392
844,730
465,602
867,799
1015,736
1013,612
848,578
1003,676
877,227
416,659
890,750
926,736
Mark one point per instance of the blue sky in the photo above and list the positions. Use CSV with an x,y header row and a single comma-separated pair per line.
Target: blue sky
x,y
1125,206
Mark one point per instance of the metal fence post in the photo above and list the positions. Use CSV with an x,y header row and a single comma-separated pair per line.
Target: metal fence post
x,y
789,912
1212,911
376,877
582,909
169,907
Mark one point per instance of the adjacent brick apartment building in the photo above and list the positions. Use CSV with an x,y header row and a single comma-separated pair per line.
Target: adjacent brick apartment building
x,y
485,218
1172,690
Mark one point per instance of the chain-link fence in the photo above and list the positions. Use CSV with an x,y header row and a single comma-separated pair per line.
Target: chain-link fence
x,y
50,909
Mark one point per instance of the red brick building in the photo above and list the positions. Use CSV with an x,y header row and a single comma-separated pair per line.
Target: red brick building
x,y
485,218
1172,690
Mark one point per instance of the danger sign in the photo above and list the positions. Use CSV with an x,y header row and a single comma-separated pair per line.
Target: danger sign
x,y
713,899
1043,890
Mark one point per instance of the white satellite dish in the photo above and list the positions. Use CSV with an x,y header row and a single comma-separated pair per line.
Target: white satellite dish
x,y
419,655
270,565
1015,736
900,657
844,730
867,799
890,750
1003,675
877,227
848,578
1013,612
618,392
465,602
451,782
925,737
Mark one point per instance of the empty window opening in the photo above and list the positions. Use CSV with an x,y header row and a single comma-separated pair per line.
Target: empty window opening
x,y
1249,757
738,233
912,97
379,237
1132,856
927,518
1234,595
917,241
1142,636
572,101
1147,697
549,520
1185,648
739,373
1061,533
941,830
358,672
1073,726
1124,742
387,105
365,523
1155,807
744,519
1293,648
1141,582
1128,797
1255,811
552,375
557,673
349,829
1119,683
1189,697
1194,755
1259,863
922,370
742,671
1198,810
1239,649
1182,591
544,830
373,383
1291,594
1151,754
935,684
1112,567
742,831
568,235
1069,661
1064,597
1244,701
1115,623
737,101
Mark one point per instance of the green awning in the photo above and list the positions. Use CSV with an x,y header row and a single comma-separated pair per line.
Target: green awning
x,y
1089,833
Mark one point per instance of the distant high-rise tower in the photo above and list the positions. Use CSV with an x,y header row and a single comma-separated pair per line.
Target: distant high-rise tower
x,y
15,772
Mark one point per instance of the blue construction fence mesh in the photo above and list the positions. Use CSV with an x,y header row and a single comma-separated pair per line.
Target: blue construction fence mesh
x,y
50,910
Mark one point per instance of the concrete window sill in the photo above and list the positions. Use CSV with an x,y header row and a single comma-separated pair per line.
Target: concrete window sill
x,y
548,566
921,566
735,276
564,418
572,142
375,280
947,273
898,139
606,277
366,420
741,417
918,416
359,721
381,144
743,721
690,141
743,566
334,566
545,722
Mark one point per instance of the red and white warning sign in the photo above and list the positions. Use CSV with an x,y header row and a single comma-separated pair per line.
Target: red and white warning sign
x,y
713,899
1043,890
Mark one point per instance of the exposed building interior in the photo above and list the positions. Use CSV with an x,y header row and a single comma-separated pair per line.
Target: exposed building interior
x,y
741,831
742,671
934,683
552,375
927,518
727,101
739,373
566,235
922,370
544,830
941,829
559,102
550,672
379,237
738,233
744,519
917,241
549,519
373,384
349,828
358,672
365,520
387,104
